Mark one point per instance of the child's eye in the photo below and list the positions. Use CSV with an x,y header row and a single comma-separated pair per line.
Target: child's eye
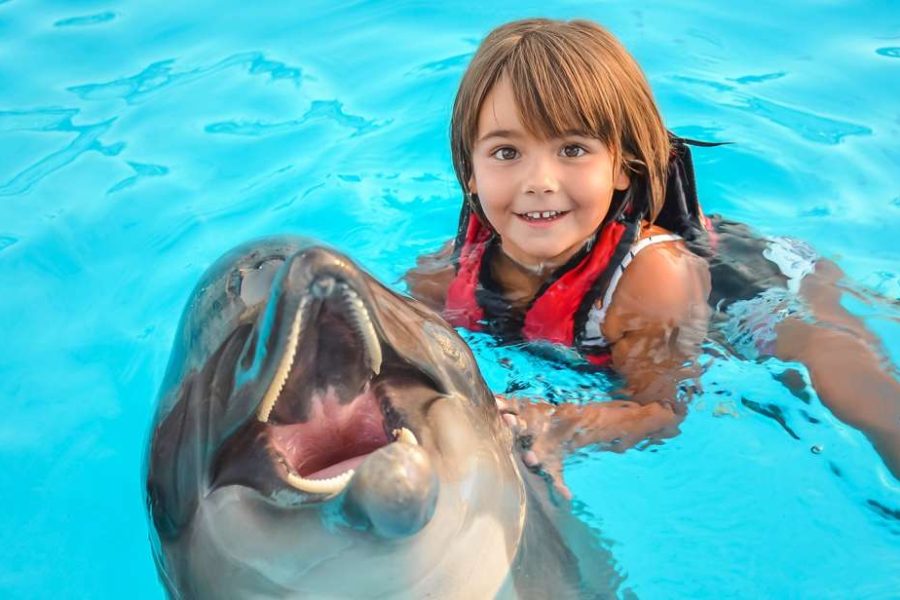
x,y
573,151
505,153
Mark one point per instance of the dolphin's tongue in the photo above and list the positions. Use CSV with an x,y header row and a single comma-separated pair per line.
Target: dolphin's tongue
x,y
335,437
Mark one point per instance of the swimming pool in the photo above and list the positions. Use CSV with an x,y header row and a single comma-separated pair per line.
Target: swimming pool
x,y
138,143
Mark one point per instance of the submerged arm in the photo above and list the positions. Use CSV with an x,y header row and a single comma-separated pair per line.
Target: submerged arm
x,y
548,433
429,279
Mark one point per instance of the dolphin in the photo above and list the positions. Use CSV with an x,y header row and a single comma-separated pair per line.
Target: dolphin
x,y
318,435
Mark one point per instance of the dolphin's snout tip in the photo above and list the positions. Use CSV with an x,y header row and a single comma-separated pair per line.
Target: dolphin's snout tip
x,y
317,258
323,287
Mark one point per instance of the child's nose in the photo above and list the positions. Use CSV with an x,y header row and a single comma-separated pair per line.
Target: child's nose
x,y
542,177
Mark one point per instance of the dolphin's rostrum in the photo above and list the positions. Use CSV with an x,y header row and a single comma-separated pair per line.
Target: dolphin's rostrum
x,y
319,435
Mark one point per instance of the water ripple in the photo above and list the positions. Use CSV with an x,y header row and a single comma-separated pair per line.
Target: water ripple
x,y
816,211
771,411
891,52
103,17
320,110
48,119
699,132
452,63
162,74
759,78
716,85
141,171
6,241
88,140
812,127
276,69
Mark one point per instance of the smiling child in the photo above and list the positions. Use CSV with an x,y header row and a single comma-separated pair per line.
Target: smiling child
x,y
581,227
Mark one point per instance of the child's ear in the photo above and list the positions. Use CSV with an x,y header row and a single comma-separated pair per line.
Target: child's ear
x,y
621,179
471,185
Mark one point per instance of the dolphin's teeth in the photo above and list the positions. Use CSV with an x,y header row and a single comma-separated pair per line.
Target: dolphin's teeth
x,y
406,436
284,367
331,486
364,326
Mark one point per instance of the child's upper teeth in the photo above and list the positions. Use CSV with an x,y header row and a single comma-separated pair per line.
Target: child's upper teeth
x,y
542,215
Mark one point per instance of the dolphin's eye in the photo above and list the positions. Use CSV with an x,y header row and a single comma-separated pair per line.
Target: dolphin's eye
x,y
256,282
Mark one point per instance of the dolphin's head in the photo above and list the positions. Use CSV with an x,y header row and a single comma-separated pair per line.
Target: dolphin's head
x,y
320,434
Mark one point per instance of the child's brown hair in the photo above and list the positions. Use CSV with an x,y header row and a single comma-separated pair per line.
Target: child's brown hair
x,y
566,76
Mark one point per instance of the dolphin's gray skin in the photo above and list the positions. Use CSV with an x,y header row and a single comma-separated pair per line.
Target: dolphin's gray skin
x,y
319,435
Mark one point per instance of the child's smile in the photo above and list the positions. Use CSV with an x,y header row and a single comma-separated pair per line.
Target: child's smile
x,y
544,197
542,218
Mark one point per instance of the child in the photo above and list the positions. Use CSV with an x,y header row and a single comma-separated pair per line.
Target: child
x,y
581,227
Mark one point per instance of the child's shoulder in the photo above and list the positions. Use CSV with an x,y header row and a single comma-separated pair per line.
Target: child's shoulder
x,y
664,282
429,279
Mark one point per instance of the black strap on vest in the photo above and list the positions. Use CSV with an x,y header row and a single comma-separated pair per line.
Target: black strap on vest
x,y
681,212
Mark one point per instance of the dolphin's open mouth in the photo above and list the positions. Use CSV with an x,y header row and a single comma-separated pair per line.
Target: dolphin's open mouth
x,y
329,405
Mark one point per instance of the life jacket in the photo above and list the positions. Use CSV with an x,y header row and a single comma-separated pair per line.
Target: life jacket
x,y
558,313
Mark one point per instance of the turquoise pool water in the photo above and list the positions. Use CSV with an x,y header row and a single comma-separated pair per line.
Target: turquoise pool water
x,y
139,141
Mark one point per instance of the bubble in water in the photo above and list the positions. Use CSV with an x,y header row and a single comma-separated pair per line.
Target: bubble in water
x,y
817,449
726,409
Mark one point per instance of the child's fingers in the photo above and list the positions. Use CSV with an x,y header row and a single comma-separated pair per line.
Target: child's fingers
x,y
562,489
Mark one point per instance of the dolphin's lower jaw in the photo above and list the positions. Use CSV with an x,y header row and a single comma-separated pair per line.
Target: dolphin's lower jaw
x,y
327,405
320,456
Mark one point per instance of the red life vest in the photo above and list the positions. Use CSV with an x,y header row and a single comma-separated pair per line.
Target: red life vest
x,y
558,311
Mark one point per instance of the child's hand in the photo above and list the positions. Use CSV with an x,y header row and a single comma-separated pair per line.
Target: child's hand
x,y
546,433
540,445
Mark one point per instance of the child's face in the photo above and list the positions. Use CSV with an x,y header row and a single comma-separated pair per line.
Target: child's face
x,y
544,197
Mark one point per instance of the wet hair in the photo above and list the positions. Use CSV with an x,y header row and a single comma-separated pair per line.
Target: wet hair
x,y
567,76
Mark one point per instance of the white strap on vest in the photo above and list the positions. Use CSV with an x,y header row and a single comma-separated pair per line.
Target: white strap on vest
x,y
592,329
